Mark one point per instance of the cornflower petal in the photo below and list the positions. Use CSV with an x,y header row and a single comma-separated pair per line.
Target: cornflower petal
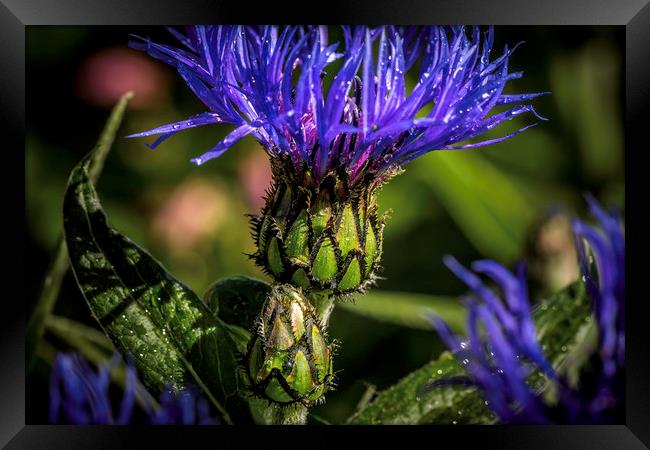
x,y
79,395
246,74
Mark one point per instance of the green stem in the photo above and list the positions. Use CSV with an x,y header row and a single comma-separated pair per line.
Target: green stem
x,y
265,413
49,294
60,264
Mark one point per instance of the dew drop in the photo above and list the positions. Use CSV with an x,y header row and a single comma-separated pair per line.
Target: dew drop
x,y
439,371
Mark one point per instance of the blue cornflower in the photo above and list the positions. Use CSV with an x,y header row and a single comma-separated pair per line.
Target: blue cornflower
x,y
337,122
500,361
80,395
605,283
500,366
279,85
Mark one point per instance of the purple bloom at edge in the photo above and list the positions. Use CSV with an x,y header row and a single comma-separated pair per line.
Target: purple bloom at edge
x,y
270,82
499,362
79,395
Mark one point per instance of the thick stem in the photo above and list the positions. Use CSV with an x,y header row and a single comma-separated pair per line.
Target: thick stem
x,y
265,413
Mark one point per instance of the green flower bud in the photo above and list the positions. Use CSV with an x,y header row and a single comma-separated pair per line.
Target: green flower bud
x,y
322,238
288,359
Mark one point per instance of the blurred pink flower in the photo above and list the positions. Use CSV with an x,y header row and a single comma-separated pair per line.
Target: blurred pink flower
x,y
255,176
551,252
106,75
193,213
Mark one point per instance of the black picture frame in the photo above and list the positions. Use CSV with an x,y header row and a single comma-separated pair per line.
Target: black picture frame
x,y
15,15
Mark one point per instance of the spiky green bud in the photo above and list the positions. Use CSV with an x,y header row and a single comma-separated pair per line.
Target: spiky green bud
x,y
326,237
288,358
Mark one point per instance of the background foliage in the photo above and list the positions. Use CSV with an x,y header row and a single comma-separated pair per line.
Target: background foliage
x,y
472,204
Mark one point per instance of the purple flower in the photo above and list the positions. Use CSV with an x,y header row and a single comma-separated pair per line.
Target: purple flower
x,y
499,362
355,117
80,395
605,282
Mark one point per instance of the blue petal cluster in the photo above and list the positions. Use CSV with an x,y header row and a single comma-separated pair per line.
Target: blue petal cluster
x,y
326,108
186,407
500,361
500,366
79,395
605,282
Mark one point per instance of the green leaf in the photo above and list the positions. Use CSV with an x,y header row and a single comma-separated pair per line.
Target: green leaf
x,y
169,332
560,323
488,206
560,320
59,265
237,300
407,309
406,402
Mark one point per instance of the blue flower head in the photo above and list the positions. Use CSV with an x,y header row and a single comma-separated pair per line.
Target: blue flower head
x,y
337,120
79,395
322,107
605,283
500,360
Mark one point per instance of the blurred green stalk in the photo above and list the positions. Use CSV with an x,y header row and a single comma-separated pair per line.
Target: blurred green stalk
x,y
60,264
